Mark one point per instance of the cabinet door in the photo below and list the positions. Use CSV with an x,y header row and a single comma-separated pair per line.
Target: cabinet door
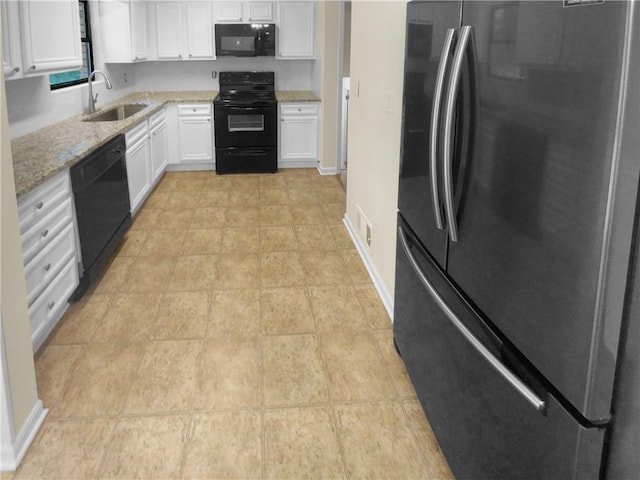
x,y
258,11
296,30
51,35
299,138
229,12
11,65
196,139
139,45
158,151
169,30
200,30
138,173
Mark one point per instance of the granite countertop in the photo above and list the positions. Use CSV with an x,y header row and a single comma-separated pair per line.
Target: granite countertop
x,y
39,155
296,96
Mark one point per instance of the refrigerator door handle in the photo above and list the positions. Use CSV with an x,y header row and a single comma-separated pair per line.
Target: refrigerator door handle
x,y
506,374
435,116
452,95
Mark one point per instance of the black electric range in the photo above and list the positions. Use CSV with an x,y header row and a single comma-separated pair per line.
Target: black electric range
x,y
246,128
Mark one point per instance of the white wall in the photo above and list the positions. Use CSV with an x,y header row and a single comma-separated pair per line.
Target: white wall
x,y
18,395
375,116
326,72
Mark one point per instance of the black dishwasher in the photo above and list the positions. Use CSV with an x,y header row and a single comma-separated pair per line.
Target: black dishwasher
x,y
101,194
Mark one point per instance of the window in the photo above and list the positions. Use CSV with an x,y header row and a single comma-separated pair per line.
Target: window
x,y
66,79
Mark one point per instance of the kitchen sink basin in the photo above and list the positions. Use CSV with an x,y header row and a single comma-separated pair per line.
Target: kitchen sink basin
x,y
117,113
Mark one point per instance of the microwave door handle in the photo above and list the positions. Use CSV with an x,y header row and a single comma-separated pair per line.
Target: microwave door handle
x,y
258,43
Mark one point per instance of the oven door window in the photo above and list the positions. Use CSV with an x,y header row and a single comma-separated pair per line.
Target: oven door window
x,y
246,123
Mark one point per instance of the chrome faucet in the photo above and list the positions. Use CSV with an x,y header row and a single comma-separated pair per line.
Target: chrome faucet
x,y
92,99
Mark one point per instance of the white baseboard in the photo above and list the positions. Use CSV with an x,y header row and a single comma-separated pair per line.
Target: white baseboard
x,y
328,171
297,163
12,456
189,167
387,301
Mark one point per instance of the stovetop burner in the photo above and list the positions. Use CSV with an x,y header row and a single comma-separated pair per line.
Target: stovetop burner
x,y
245,88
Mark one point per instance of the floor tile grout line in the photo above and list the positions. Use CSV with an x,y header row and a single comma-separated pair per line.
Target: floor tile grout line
x,y
263,436
416,441
334,413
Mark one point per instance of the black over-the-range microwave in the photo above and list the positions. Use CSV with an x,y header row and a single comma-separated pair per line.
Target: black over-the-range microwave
x,y
245,39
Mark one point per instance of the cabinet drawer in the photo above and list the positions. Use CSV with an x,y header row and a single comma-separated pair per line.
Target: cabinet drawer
x,y
136,134
194,109
47,309
46,264
42,232
299,109
37,203
156,119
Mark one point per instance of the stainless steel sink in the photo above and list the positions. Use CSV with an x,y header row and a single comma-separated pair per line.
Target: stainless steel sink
x,y
117,113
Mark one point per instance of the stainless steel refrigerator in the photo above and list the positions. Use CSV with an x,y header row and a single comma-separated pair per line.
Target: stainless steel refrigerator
x,y
517,230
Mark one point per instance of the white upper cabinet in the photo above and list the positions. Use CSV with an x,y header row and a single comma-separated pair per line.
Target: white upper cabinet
x,y
11,62
244,12
50,32
200,30
258,11
169,30
124,30
296,23
139,44
184,30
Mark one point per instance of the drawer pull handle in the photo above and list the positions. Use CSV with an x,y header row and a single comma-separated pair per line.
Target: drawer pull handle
x,y
45,233
39,205
47,267
32,67
51,305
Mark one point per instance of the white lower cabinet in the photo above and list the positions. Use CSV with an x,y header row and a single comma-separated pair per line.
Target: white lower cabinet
x,y
158,145
298,145
195,134
50,253
138,165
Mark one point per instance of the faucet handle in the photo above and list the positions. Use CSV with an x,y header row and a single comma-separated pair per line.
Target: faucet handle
x,y
95,98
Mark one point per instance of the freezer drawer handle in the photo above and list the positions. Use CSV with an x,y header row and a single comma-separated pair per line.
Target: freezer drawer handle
x,y
435,117
452,95
515,382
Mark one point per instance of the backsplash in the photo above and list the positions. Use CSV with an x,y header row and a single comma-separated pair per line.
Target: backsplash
x,y
179,75
32,105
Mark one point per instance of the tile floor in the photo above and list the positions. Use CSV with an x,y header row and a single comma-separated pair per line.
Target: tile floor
x,y
235,334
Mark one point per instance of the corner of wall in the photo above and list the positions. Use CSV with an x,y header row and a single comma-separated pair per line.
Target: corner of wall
x,y
18,369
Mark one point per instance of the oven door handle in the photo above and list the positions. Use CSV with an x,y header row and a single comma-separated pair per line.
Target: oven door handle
x,y
245,152
244,109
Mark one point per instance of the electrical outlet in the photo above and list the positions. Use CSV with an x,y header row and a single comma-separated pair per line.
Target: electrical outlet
x,y
365,229
214,74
